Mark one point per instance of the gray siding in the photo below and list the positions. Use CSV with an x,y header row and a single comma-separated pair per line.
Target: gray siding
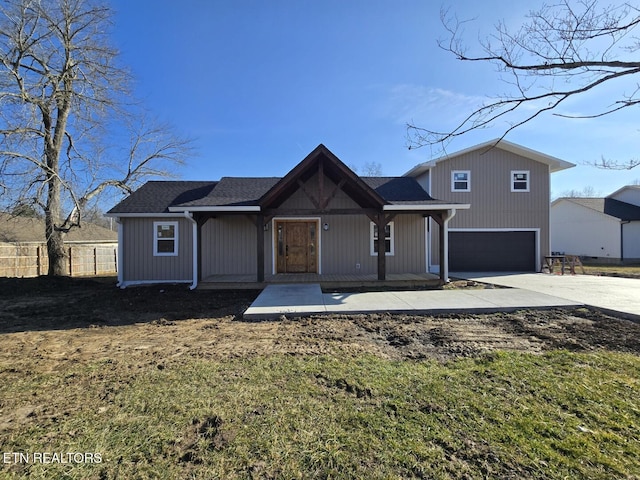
x,y
347,244
229,246
139,263
493,204
229,242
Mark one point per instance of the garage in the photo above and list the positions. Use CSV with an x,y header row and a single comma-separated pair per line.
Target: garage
x,y
492,251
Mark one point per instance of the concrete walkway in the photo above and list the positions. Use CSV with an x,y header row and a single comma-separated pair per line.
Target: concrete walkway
x,y
613,294
306,299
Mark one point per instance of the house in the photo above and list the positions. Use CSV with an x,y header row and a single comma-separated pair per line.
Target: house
x,y
91,249
319,220
508,188
599,229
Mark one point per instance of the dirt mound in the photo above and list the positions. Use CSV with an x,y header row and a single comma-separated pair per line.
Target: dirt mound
x,y
51,323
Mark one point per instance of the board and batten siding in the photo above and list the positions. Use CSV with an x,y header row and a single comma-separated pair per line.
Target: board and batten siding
x,y
139,263
346,245
229,246
345,248
229,241
493,204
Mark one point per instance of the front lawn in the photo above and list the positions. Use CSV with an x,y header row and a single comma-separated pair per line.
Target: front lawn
x,y
498,415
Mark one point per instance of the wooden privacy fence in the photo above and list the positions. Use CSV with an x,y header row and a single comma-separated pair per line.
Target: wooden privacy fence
x,y
82,260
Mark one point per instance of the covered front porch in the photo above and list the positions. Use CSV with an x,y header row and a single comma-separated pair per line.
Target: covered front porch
x,y
320,223
392,280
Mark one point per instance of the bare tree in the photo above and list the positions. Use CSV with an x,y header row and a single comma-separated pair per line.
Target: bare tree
x,y
372,169
368,169
586,192
61,90
564,49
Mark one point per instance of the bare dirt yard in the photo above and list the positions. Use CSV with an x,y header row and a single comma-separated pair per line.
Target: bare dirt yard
x,y
49,324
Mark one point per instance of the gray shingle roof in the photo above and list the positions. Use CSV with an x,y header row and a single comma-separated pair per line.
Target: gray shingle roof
x,y
234,191
158,196
610,206
622,210
400,190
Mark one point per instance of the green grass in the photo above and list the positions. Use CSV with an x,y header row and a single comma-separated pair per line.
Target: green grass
x,y
506,415
632,271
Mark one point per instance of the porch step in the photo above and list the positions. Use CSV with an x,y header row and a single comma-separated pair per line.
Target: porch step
x,y
283,299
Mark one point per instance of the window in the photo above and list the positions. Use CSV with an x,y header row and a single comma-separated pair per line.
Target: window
x,y
165,239
389,247
461,181
519,180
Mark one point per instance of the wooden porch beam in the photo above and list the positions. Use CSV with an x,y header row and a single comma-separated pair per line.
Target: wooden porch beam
x,y
292,212
321,201
440,222
381,223
325,201
314,200
260,247
199,226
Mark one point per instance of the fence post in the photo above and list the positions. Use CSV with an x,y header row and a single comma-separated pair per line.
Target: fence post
x,y
95,260
38,261
70,262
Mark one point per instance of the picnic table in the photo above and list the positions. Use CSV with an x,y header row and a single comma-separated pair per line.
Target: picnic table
x,y
562,262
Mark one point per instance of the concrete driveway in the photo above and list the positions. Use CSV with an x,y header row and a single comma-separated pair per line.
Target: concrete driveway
x,y
614,294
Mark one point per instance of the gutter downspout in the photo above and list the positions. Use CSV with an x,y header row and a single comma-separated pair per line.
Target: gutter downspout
x,y
194,234
120,259
445,226
622,224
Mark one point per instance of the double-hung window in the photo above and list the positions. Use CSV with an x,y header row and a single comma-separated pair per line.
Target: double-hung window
x,y
165,239
519,180
460,181
389,239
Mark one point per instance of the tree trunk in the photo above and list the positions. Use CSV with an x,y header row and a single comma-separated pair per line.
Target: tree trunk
x,y
56,253
55,237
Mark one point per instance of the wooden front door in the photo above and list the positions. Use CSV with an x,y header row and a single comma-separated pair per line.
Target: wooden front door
x,y
296,246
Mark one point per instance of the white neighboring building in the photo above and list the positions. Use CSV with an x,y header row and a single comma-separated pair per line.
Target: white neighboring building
x,y
600,229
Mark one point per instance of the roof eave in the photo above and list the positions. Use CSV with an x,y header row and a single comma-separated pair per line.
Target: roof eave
x,y
555,164
216,208
419,208
140,215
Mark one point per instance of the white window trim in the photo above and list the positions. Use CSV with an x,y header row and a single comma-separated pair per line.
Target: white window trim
x,y
392,229
155,240
453,182
520,190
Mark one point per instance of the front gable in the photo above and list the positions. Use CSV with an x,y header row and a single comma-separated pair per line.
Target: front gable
x,y
321,176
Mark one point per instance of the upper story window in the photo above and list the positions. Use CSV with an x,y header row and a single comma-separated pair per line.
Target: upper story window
x,y
460,181
519,180
165,239
389,239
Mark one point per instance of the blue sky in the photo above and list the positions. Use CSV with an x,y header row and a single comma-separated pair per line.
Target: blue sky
x,y
259,84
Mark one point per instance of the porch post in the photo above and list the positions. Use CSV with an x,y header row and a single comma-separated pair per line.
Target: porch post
x,y
444,263
260,247
439,218
382,258
199,247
